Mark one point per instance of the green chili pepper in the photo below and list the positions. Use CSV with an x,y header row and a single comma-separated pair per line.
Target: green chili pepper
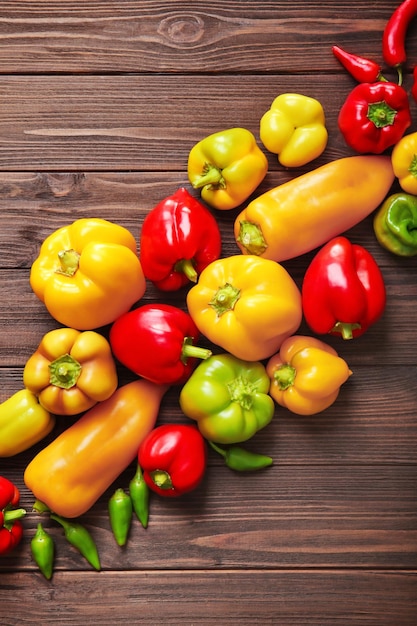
x,y
78,536
395,224
242,460
139,493
43,551
120,513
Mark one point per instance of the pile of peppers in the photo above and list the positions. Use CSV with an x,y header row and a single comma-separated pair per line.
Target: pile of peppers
x,y
233,352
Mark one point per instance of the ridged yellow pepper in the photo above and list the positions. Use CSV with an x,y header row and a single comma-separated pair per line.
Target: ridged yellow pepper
x,y
294,129
306,375
72,472
227,166
309,210
88,273
23,422
71,371
245,304
404,162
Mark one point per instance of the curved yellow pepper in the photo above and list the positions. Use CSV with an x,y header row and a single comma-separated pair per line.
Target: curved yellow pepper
x,y
404,162
306,375
245,304
227,166
71,371
75,469
23,422
294,129
88,273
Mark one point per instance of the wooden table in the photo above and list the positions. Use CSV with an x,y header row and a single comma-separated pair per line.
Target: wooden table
x,y
100,104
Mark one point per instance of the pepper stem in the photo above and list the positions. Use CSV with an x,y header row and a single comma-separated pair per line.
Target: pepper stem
x,y
11,515
251,238
185,266
191,351
242,392
211,177
284,376
64,371
69,260
381,114
345,329
162,479
225,299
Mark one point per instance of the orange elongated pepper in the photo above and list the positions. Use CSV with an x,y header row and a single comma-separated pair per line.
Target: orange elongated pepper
x,y
309,210
73,471
306,375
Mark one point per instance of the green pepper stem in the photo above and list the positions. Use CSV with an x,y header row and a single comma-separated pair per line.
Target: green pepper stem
x,y
64,372
185,266
69,262
225,299
381,114
162,479
221,451
40,507
251,238
284,376
191,351
211,176
11,515
345,329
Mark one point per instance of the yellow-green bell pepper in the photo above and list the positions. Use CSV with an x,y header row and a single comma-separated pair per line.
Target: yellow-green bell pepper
x,y
23,422
395,224
294,129
227,166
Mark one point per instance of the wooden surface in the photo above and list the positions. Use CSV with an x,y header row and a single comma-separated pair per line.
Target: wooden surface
x,y
100,103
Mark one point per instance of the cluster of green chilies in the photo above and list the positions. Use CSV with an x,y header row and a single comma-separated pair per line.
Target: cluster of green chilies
x,y
229,395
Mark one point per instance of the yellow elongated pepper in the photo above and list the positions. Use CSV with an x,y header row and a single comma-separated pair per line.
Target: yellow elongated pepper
x,y
23,422
70,371
306,375
294,129
88,273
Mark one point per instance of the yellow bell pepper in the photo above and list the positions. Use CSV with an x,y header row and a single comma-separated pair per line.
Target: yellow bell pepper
x,y
71,473
306,375
294,129
245,304
71,371
227,166
309,210
88,273
404,162
23,422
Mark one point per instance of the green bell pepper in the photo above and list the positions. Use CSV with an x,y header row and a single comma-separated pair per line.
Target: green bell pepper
x,y
395,224
228,398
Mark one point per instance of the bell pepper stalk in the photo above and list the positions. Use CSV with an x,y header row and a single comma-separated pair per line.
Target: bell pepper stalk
x,y
246,304
11,528
363,70
395,224
374,116
88,273
294,129
240,459
394,34
404,162
306,375
178,239
71,371
157,342
228,398
343,290
23,423
173,458
227,166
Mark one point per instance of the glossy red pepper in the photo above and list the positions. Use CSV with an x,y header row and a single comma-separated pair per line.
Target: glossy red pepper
x,y
157,342
414,85
178,239
11,529
393,38
374,116
343,291
173,458
361,69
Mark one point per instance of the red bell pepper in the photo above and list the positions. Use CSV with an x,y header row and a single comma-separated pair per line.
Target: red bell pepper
x,y
11,529
343,291
178,239
157,342
374,116
173,458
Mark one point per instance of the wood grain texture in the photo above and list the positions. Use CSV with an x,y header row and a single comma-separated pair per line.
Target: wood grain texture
x,y
100,104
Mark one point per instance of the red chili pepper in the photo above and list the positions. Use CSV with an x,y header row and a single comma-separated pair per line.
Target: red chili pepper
x,y
414,86
343,291
11,529
157,342
361,69
374,116
179,238
393,38
173,458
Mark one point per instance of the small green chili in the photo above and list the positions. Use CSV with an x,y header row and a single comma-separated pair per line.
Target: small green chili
x,y
79,537
120,514
242,460
139,492
43,551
